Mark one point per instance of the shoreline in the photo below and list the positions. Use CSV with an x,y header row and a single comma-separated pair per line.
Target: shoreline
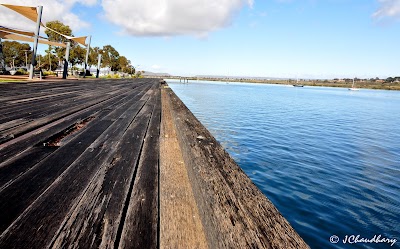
x,y
392,86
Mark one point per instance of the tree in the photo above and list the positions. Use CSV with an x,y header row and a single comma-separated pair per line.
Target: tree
x,y
124,64
110,58
77,55
390,79
93,56
49,61
13,50
40,60
52,36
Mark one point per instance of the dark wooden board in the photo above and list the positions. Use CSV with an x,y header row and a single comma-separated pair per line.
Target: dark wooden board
x,y
143,198
87,178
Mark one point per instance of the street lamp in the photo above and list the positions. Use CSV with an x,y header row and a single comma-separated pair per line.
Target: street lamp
x,y
26,58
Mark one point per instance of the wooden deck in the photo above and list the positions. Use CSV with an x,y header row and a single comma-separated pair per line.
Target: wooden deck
x,y
122,164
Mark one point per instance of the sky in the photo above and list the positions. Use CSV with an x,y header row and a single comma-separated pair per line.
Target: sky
x,y
253,38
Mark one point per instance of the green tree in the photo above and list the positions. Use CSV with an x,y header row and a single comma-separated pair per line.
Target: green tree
x,y
40,60
49,60
13,50
52,36
124,64
93,56
390,79
110,58
77,55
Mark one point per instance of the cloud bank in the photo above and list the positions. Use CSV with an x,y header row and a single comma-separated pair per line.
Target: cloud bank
x,y
137,17
172,17
388,8
52,10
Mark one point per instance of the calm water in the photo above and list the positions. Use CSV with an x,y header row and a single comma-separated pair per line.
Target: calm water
x,y
328,158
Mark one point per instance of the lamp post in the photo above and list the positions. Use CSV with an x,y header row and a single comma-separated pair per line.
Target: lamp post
x,y
2,63
49,59
26,58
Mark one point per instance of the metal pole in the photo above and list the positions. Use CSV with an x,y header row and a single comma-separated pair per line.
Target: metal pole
x,y
39,19
98,66
49,58
67,51
87,54
26,58
2,64
65,72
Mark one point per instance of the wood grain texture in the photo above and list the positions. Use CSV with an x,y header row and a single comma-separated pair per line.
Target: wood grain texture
x,y
234,212
180,224
74,195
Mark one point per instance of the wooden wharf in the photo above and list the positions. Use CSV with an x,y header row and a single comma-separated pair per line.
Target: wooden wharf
x,y
122,164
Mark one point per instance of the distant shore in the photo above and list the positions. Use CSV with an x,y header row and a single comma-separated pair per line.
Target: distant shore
x,y
363,84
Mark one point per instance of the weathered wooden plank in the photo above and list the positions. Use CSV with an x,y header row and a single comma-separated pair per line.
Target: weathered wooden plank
x,y
49,207
15,146
23,192
180,224
39,118
234,212
40,113
45,97
12,123
94,221
140,222
25,161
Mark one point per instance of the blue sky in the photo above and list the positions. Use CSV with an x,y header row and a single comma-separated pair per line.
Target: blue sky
x,y
265,38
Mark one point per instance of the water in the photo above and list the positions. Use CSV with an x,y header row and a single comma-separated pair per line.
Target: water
x,y
328,158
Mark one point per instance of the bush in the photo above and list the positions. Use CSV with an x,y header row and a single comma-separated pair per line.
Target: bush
x,y
115,76
22,72
47,73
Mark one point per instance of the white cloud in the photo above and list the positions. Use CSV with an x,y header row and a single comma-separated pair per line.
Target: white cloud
x,y
52,10
388,8
172,17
